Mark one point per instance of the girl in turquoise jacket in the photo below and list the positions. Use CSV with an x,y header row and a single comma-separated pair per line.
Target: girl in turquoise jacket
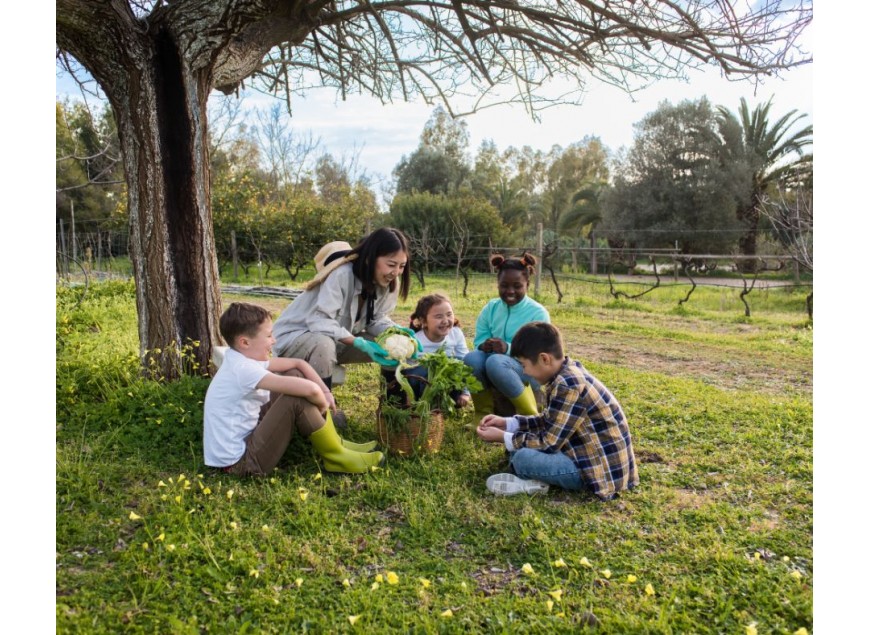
x,y
498,321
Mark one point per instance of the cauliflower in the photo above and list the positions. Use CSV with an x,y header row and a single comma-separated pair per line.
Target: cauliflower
x,y
399,346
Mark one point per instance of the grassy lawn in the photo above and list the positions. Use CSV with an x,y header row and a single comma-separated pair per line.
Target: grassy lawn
x,y
717,538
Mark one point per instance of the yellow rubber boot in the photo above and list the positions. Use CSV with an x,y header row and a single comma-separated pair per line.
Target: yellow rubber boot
x,y
359,447
525,403
483,404
336,457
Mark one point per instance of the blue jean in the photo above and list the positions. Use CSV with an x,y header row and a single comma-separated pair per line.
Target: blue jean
x,y
502,372
556,469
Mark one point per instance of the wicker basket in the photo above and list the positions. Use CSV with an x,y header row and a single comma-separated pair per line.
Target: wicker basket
x,y
411,441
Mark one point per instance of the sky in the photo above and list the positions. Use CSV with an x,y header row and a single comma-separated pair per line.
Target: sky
x,y
831,91
384,133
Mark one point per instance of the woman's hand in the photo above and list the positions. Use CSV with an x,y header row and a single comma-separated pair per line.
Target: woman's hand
x,y
375,351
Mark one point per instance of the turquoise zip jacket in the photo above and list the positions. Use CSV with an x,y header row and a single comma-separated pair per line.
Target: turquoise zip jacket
x,y
500,320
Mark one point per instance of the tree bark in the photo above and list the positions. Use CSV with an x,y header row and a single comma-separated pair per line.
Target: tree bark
x,y
159,103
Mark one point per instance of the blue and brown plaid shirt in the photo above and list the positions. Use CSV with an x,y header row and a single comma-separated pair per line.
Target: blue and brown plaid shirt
x,y
583,420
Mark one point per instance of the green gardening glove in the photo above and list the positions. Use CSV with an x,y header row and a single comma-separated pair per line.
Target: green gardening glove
x,y
375,351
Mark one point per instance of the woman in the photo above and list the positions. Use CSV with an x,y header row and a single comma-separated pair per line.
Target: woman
x,y
347,304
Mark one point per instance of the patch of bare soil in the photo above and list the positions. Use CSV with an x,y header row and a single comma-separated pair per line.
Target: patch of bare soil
x,y
717,367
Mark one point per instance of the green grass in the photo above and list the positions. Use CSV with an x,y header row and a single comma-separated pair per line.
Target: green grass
x,y
720,528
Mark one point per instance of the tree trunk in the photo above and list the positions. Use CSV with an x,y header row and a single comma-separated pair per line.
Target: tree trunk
x,y
161,115
748,243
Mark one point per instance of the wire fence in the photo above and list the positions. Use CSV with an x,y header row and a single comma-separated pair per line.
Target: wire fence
x,y
629,273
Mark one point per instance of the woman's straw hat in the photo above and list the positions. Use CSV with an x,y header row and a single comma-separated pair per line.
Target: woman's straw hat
x,y
328,259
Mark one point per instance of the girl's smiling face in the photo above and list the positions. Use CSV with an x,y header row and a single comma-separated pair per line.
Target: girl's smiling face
x,y
512,286
438,321
389,267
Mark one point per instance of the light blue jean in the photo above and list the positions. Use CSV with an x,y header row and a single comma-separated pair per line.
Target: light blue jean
x,y
502,372
556,469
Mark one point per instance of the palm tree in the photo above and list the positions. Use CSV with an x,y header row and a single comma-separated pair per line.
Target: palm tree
x,y
585,212
771,151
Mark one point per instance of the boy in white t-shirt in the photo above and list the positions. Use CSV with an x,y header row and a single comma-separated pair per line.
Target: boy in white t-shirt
x,y
237,437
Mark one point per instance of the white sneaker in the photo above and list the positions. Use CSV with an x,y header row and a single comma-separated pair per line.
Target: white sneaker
x,y
510,484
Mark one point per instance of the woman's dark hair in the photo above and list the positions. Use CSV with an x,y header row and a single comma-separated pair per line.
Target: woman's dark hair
x,y
525,263
424,304
380,243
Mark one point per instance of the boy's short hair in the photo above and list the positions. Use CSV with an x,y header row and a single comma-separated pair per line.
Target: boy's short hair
x,y
242,318
535,338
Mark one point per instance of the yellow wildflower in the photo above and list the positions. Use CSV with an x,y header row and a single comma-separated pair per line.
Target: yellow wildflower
x,y
145,546
181,477
375,468
550,605
164,497
556,595
303,494
317,476
273,480
585,562
265,527
649,590
161,536
375,586
135,516
751,630
801,631
527,568
447,613
170,547
606,573
161,484
178,499
352,619
559,563
206,491
230,494
426,583
392,578
785,558
234,525
796,574
631,578
379,578
463,585
254,573
345,582
299,582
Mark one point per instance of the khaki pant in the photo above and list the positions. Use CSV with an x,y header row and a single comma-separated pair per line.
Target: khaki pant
x,y
280,419
323,352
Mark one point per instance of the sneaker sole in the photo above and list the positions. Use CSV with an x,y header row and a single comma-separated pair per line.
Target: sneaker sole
x,y
510,485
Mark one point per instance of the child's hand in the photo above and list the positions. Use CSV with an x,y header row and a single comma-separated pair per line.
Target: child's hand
x,y
494,345
490,434
493,421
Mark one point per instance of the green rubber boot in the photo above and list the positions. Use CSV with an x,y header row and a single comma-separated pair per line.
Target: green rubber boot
x,y
525,403
336,457
359,447
483,404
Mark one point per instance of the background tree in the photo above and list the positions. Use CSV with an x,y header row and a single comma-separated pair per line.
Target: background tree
x,y
88,163
439,165
157,63
771,149
672,186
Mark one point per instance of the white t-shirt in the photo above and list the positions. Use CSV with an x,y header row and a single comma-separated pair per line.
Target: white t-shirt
x,y
453,344
232,408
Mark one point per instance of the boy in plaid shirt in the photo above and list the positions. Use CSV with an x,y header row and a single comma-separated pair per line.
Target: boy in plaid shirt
x,y
580,442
